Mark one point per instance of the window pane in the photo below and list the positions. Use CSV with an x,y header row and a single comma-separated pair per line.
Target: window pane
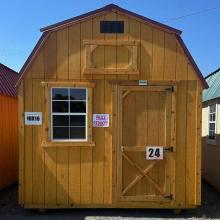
x,y
212,126
60,106
211,135
60,120
78,94
77,133
77,120
59,94
60,132
78,107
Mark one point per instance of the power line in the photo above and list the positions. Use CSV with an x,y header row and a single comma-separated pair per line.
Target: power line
x,y
193,14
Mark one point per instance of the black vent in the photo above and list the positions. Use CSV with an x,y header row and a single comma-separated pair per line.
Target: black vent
x,y
111,27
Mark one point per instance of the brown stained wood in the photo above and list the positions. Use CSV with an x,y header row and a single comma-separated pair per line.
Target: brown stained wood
x,y
170,57
134,34
62,54
122,53
191,143
99,150
110,71
50,56
108,171
110,51
158,55
198,153
98,54
62,176
28,143
21,173
181,117
37,67
146,49
85,33
74,52
121,38
181,64
38,153
74,176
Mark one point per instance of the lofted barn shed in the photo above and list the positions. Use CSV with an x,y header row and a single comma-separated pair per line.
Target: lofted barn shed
x,y
110,115
8,126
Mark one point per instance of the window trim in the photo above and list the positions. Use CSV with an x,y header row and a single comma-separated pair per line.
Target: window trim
x,y
212,141
46,124
85,114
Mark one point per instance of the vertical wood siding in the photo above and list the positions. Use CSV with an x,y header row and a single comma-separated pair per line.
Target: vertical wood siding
x,y
8,140
66,176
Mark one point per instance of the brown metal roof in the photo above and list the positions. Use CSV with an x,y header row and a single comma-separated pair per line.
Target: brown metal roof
x,y
103,10
8,80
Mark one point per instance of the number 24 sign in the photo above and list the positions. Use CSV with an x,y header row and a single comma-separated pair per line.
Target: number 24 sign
x,y
154,153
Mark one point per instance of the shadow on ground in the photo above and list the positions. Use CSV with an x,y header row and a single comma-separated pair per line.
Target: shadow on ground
x,y
210,209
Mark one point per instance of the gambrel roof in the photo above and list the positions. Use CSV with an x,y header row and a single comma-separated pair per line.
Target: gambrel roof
x,y
102,11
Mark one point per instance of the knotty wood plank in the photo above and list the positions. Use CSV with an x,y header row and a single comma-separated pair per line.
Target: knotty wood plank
x,y
170,57
28,143
181,118
135,34
37,68
108,171
122,53
99,150
110,51
158,55
98,53
74,52
85,33
21,143
62,175
74,175
146,52
191,143
63,54
38,152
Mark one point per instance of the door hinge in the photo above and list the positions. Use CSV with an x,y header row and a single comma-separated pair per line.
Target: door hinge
x,y
168,149
171,89
170,197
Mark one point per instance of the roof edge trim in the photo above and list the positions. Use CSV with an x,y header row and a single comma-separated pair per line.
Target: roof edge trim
x,y
110,7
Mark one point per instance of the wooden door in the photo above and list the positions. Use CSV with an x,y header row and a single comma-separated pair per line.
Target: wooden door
x,y
146,118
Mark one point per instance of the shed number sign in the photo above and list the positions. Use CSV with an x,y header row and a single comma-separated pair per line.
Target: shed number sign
x,y
100,120
33,118
154,153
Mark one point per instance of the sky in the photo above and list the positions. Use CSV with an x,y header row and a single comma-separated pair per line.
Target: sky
x,y
20,21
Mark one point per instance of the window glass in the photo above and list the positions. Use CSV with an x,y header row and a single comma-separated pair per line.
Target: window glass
x,y
60,94
212,121
69,114
77,94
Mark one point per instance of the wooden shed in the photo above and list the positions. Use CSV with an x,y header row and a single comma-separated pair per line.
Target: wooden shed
x,y
8,126
110,115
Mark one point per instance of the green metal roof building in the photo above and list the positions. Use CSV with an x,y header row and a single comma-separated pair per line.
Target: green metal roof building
x,y
213,80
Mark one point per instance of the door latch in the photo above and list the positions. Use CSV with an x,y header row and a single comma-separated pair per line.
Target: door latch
x,y
168,149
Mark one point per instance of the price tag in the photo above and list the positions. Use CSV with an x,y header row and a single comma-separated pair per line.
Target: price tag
x,y
154,153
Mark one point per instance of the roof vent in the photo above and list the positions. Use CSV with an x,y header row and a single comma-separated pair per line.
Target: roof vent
x,y
112,27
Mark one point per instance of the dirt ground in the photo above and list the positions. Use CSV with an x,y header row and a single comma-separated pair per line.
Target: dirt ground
x,y
9,209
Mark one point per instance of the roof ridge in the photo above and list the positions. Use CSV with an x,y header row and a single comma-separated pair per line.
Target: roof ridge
x,y
212,73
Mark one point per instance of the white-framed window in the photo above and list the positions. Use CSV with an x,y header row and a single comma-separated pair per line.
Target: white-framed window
x,y
69,114
212,117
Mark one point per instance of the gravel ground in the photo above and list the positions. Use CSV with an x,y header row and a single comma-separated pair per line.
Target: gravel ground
x,y
210,209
